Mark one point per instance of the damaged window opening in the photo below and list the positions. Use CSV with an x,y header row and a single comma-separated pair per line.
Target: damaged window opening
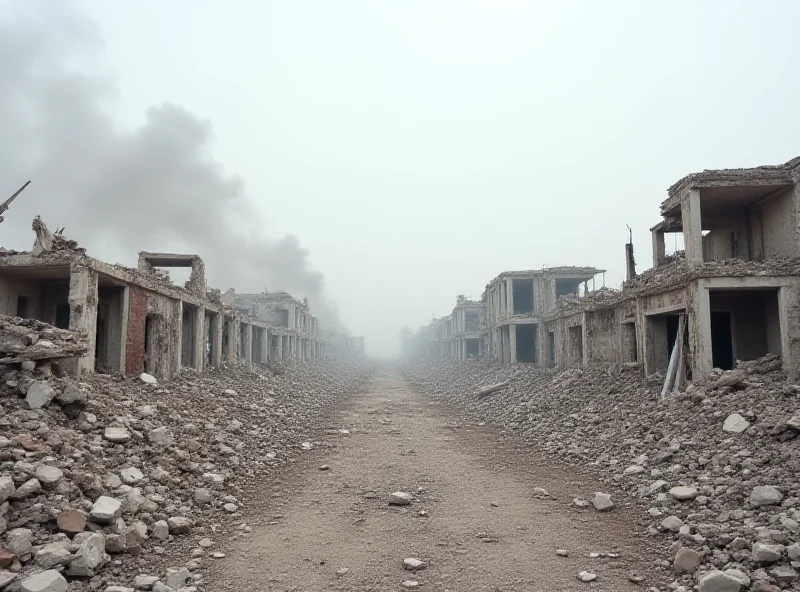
x,y
522,295
473,348
567,287
472,321
283,318
551,349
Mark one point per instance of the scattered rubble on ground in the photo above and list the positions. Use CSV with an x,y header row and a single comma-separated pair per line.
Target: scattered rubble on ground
x,y
715,467
114,484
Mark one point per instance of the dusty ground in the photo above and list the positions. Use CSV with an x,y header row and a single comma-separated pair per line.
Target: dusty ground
x,y
486,527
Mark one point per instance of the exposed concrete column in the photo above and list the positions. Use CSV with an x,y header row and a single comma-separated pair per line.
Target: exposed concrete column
x,y
510,295
585,338
199,338
232,341
279,356
692,227
264,345
248,343
789,326
216,347
83,312
512,330
700,330
126,311
659,247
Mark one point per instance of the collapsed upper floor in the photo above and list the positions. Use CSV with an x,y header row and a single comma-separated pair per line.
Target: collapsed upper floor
x,y
748,214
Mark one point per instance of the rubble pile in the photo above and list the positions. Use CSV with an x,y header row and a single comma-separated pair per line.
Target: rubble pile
x,y
119,484
31,340
715,468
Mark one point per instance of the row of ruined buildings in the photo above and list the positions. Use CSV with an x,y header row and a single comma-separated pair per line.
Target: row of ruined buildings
x,y
138,320
732,294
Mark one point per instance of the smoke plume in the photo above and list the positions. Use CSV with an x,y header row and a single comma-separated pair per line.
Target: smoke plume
x,y
119,191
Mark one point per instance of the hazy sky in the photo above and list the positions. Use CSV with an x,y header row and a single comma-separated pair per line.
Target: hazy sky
x,y
416,149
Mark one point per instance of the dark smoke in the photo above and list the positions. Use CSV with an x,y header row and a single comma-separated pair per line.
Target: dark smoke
x,y
154,188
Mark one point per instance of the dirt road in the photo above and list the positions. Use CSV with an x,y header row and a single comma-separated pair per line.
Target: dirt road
x,y
477,521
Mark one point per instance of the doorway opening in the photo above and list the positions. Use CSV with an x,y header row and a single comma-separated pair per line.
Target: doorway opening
x,y
108,336
527,343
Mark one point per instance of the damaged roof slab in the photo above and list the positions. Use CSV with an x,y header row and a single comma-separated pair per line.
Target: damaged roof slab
x,y
733,187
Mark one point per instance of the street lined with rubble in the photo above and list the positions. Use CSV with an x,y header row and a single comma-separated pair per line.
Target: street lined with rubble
x,y
440,476
411,496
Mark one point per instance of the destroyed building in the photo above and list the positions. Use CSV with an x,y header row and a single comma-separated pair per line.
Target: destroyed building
x,y
515,303
137,320
467,321
291,335
732,295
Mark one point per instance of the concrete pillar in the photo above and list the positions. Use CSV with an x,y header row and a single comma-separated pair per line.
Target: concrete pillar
x,y
264,345
790,340
248,343
512,330
126,310
83,312
692,227
659,248
700,331
279,357
233,341
510,295
216,347
199,338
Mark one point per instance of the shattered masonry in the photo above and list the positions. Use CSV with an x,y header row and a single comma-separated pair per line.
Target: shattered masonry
x,y
736,285
130,321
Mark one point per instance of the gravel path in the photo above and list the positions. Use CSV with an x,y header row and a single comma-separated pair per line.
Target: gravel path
x,y
477,519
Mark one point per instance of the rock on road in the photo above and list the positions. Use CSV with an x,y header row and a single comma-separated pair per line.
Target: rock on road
x,y
484,516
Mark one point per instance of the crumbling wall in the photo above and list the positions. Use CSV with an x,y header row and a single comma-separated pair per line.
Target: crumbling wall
x,y
779,225
12,288
602,337
135,343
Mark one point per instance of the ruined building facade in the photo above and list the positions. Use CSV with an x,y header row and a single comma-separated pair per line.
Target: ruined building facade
x,y
732,295
137,320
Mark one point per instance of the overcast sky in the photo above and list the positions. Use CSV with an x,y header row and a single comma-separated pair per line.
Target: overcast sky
x,y
415,149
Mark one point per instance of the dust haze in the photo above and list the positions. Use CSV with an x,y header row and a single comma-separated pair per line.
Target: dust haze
x,y
118,191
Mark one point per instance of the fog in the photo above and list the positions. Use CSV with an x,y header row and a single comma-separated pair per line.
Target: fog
x,y
381,158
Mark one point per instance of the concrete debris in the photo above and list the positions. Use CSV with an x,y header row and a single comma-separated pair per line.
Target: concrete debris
x,y
29,340
602,502
735,423
717,581
400,498
687,560
587,576
413,564
723,504
116,471
765,495
44,581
